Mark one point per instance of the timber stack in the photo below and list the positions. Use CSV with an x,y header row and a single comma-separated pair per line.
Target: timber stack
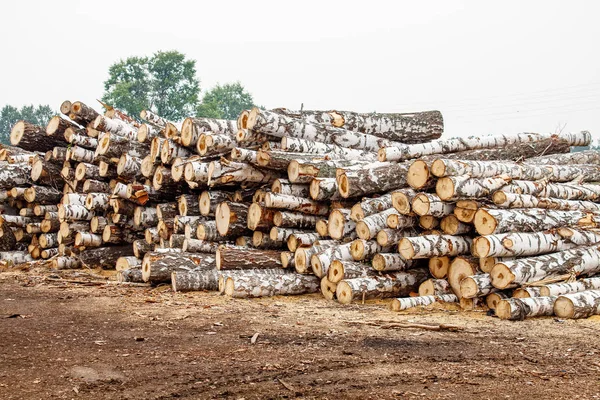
x,y
281,202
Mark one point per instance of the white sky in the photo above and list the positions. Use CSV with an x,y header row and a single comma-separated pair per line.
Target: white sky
x,y
490,67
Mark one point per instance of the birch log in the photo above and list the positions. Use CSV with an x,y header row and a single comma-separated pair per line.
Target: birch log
x,y
370,226
404,303
392,285
490,221
578,305
433,246
372,180
431,204
519,309
232,257
261,285
187,281
463,187
577,261
515,200
558,289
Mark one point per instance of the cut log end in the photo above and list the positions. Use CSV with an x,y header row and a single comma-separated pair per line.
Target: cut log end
x,y
357,213
503,310
499,197
344,186
501,276
481,247
362,230
335,224
328,288
16,134
343,293
564,307
438,168
406,249
418,174
378,262
445,188
427,288
468,287
420,204
401,202
485,224
316,265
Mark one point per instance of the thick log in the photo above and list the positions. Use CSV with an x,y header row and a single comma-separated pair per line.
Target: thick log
x,y
450,225
490,221
580,157
306,171
324,189
262,240
578,305
58,125
289,219
339,270
46,173
476,286
287,260
260,218
296,240
514,200
317,148
88,240
406,152
391,262
114,146
153,118
104,256
463,187
433,245
519,309
16,220
372,180
66,263
128,262
193,128
169,151
393,285
233,257
284,186
339,224
186,281
228,214
12,175
529,244
459,269
279,125
33,138
303,255
157,267
258,284
282,234
82,113
141,247
526,292
405,303
435,287
293,203
431,204
321,261
558,289
389,237
369,227
199,246
8,241
115,126
95,186
577,261
565,191
42,195
366,249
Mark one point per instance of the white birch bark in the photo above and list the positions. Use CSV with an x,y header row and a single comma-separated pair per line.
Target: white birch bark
x,y
565,191
519,309
514,200
476,286
369,226
242,155
391,262
431,204
404,303
297,145
445,146
491,221
557,289
321,261
463,187
261,285
284,186
370,206
433,245
366,249
578,305
293,203
435,287
371,287
577,261
324,189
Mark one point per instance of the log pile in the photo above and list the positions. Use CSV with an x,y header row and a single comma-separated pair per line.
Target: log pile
x,y
281,202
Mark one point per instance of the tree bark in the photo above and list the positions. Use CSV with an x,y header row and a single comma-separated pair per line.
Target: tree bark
x,y
104,256
580,157
392,285
370,226
280,126
141,247
296,240
514,200
193,128
128,262
372,180
406,152
489,221
157,267
558,289
450,225
339,224
229,214
259,284
435,287
565,191
404,303
529,244
113,146
187,281
519,309
324,189
169,151
390,237
321,261
317,148
226,172
578,305
339,270
476,286
463,187
303,255
8,242
293,203
433,245
431,204
31,137
577,261
305,171
233,257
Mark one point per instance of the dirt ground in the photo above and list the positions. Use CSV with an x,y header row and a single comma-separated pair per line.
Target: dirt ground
x,y
68,340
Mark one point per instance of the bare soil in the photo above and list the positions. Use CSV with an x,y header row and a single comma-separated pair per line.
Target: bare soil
x,y
63,339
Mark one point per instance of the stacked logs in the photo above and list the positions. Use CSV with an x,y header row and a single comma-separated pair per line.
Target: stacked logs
x,y
358,206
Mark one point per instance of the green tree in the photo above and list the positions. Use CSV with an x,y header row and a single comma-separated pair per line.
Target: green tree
x,y
225,101
9,115
165,83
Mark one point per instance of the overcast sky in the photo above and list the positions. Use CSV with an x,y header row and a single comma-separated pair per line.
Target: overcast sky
x,y
490,67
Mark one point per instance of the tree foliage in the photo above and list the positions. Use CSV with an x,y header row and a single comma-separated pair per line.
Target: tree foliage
x,y
9,115
225,101
165,83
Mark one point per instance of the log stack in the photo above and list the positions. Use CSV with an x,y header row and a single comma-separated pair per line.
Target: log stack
x,y
356,206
